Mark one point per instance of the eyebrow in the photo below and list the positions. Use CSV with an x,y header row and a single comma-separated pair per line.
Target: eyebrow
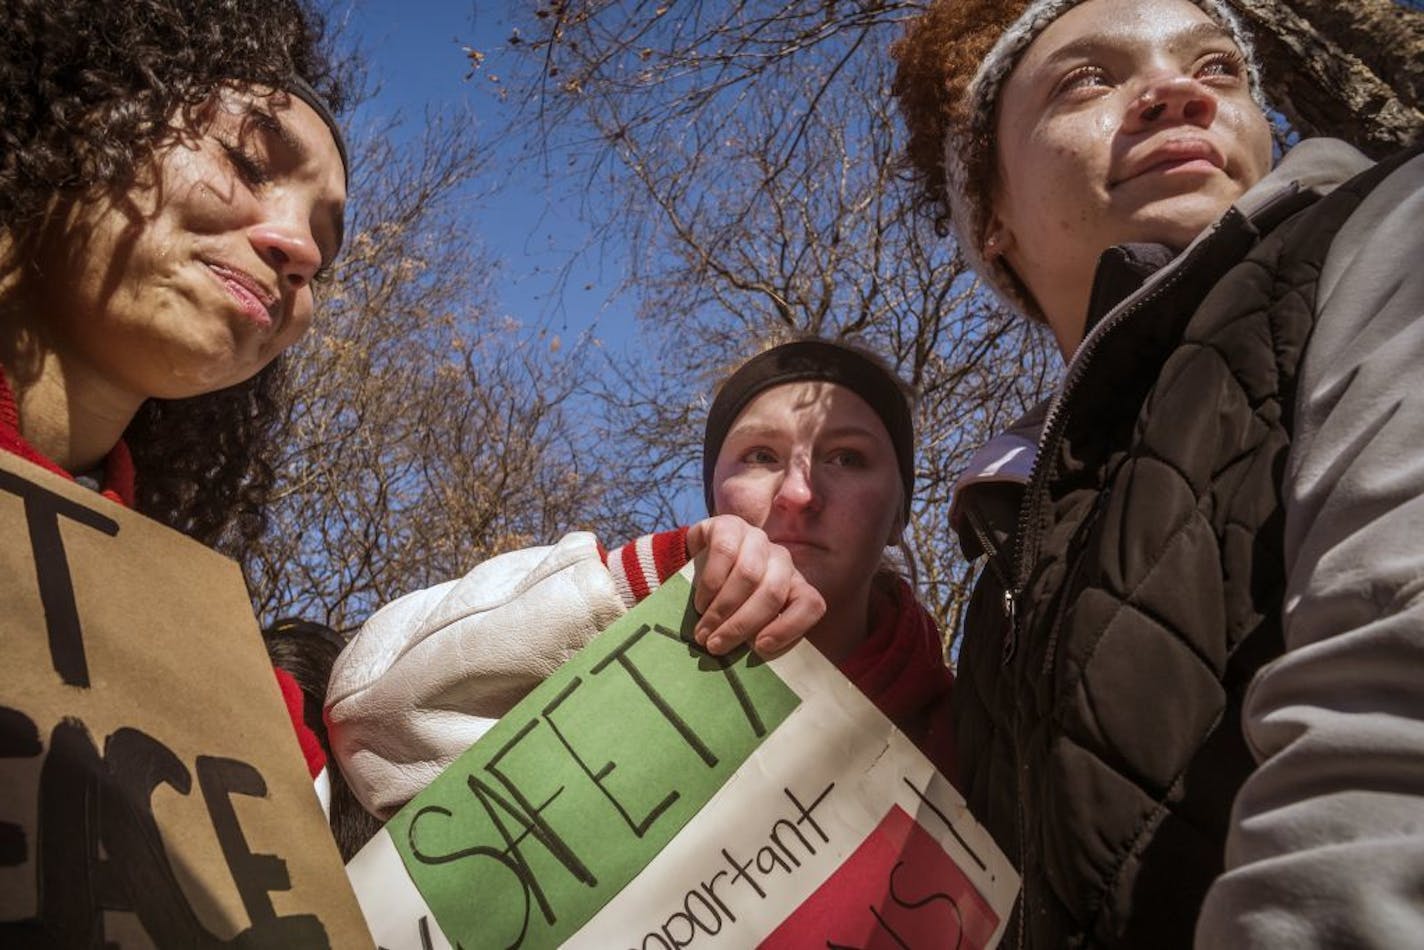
x,y
758,431
1088,46
275,127
848,432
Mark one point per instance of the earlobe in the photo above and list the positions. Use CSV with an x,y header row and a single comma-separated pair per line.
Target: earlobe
x,y
998,239
897,531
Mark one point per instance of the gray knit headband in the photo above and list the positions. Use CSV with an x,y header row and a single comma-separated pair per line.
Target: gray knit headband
x,y
968,211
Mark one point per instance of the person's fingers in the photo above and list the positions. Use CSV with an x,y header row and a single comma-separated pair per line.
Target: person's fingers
x,y
716,541
738,615
805,607
727,590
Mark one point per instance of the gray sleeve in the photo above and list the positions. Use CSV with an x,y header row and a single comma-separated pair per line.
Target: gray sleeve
x,y
1326,844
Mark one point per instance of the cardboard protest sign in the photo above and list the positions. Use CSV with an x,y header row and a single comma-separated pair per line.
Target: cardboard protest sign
x,y
152,793
651,797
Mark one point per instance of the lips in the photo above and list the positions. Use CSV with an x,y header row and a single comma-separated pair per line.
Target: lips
x,y
797,543
257,302
1176,154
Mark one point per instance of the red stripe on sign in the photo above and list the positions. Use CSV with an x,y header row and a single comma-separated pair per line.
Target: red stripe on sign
x,y
899,889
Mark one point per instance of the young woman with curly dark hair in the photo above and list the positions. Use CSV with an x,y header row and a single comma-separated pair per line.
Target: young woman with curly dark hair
x,y
166,199
171,185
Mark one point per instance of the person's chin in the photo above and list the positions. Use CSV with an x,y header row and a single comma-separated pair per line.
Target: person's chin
x,y
206,367
808,561
1177,220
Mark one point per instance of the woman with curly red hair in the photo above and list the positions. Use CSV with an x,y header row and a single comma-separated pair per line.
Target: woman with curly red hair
x,y
1187,699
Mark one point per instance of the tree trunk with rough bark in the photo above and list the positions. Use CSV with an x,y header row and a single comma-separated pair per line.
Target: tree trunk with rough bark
x,y
1347,69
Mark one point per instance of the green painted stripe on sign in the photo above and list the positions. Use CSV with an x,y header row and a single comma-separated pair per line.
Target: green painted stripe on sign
x,y
545,819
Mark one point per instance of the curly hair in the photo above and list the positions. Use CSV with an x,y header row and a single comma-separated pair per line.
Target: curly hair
x,y
934,63
90,90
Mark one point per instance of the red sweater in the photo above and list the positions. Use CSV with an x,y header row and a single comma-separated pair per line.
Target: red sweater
x,y
118,486
900,666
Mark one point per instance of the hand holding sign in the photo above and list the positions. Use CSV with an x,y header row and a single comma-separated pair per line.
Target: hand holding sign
x,y
748,587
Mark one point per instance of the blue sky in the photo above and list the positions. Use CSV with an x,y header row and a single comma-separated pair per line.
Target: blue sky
x,y
416,57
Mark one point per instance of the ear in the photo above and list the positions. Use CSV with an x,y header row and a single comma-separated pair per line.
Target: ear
x,y
998,239
897,532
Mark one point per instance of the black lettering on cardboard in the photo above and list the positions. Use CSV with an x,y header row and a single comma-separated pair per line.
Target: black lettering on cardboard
x,y
86,801
640,827
619,654
43,509
19,739
254,874
136,764
70,907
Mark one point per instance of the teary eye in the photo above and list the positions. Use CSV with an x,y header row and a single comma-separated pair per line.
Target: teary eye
x,y
1083,77
250,168
1224,64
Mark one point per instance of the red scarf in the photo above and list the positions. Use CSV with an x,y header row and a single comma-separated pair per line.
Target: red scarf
x,y
901,668
118,486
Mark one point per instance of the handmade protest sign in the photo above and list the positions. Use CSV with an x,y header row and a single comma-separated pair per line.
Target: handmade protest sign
x,y
151,789
652,797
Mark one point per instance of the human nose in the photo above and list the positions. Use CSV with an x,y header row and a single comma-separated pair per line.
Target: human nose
x,y
289,249
797,489
1170,100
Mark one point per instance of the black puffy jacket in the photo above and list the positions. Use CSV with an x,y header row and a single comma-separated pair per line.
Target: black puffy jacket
x,y
1099,704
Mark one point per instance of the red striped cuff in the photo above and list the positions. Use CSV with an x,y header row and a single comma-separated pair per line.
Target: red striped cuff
x,y
640,567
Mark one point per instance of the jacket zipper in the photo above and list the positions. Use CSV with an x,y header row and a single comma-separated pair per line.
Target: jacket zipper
x,y
1025,547
992,553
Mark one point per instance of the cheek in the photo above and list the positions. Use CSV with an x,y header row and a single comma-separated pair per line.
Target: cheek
x,y
873,510
303,314
747,498
1260,144
1056,174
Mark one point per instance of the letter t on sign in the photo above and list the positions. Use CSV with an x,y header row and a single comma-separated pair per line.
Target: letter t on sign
x,y
43,509
620,655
